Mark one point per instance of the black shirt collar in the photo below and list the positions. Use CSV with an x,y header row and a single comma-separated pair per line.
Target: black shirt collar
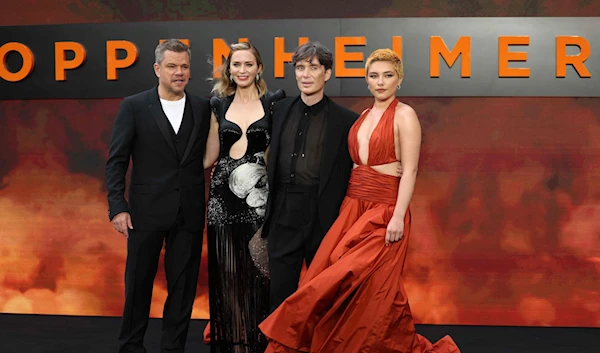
x,y
315,108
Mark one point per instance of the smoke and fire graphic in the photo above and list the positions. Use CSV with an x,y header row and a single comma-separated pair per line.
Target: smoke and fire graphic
x,y
506,212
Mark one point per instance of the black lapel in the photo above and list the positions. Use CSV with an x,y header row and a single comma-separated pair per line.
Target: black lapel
x,y
197,121
278,123
161,119
333,138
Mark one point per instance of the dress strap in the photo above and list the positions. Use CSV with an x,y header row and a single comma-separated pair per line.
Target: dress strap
x,y
382,148
219,106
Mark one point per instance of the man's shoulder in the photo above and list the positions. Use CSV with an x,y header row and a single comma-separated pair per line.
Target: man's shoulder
x,y
141,97
342,111
284,102
196,99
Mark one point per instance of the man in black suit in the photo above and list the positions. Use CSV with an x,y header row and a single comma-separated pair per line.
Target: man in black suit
x,y
164,131
308,169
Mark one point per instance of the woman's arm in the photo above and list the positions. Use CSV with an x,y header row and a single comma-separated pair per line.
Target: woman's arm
x,y
408,142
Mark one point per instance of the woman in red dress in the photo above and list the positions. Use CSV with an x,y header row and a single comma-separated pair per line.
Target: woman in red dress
x,y
352,298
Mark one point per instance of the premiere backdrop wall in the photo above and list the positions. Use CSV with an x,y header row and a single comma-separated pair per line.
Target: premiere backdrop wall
x,y
506,209
443,57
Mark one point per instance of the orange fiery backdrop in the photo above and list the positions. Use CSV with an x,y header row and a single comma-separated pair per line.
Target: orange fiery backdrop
x,y
506,212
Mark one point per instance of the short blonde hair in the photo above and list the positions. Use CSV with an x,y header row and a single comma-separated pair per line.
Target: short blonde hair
x,y
385,55
223,86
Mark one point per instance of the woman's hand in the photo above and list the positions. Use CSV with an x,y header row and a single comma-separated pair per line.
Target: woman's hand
x,y
394,231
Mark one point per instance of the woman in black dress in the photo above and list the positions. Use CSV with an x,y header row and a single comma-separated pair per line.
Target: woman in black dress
x,y
238,141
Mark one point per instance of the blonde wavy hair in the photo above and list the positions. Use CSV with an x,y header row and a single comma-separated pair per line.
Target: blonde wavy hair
x,y
223,86
385,55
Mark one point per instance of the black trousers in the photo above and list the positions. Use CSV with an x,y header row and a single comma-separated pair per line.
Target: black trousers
x,y
294,236
183,251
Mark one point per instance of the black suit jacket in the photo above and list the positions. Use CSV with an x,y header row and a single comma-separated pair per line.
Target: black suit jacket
x,y
336,164
161,183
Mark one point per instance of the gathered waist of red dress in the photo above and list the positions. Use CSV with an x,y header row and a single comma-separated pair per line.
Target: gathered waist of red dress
x,y
369,185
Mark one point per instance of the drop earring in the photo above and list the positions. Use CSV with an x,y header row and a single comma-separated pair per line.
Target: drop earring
x,y
230,78
399,86
257,77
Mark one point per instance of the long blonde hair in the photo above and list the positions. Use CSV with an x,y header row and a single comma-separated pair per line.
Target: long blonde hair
x,y
223,86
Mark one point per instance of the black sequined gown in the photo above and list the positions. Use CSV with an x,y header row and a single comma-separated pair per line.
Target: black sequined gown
x,y
238,282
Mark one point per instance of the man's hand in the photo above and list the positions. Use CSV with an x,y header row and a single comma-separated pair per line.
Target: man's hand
x,y
399,170
122,223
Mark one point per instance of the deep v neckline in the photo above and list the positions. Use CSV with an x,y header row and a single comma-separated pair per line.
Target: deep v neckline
x,y
370,138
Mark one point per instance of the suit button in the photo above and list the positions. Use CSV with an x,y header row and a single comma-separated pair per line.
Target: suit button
x,y
177,189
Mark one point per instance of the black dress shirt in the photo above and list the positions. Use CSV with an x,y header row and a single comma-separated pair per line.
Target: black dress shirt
x,y
301,144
